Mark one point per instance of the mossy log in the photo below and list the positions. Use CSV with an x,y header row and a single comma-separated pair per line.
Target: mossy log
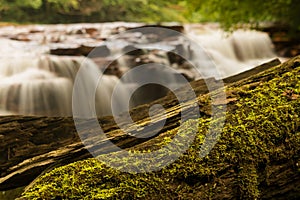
x,y
256,157
32,145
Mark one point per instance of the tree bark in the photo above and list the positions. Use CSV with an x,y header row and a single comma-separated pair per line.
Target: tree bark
x,y
31,145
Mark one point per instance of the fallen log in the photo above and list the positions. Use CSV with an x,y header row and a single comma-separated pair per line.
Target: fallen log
x,y
30,145
256,157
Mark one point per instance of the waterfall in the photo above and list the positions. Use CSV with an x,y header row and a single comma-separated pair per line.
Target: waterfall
x,y
32,82
36,92
42,85
250,45
231,53
61,66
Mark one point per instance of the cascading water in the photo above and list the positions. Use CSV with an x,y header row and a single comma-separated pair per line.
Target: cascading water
x,y
61,66
35,83
43,85
234,52
36,92
252,45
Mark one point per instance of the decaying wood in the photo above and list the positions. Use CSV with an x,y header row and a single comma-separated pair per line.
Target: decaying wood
x,y
30,145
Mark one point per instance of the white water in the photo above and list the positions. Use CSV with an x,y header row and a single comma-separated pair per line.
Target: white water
x,y
36,92
232,53
43,85
34,83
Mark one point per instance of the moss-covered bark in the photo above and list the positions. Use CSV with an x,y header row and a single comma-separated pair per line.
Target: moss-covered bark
x,y
256,157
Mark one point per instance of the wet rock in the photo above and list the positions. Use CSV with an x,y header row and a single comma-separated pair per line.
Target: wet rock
x,y
148,93
21,37
187,74
37,30
288,49
117,29
76,31
175,58
64,50
85,50
77,49
130,36
181,52
146,29
108,66
133,51
92,32
97,50
101,51
286,44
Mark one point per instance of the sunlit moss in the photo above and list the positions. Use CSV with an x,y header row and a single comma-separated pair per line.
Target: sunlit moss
x,y
261,128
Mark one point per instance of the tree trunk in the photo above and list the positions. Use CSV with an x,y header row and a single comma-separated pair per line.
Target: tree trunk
x,y
32,145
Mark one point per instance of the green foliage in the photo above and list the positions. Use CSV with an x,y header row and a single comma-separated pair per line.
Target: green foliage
x,y
36,4
261,128
229,12
63,11
237,12
41,11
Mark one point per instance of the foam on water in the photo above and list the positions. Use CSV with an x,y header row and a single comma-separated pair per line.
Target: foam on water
x,y
43,85
232,53
34,83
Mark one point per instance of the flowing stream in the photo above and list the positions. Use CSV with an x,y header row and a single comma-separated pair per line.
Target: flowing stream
x,y
32,82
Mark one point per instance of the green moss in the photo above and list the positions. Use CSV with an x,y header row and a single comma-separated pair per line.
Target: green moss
x,y
262,127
